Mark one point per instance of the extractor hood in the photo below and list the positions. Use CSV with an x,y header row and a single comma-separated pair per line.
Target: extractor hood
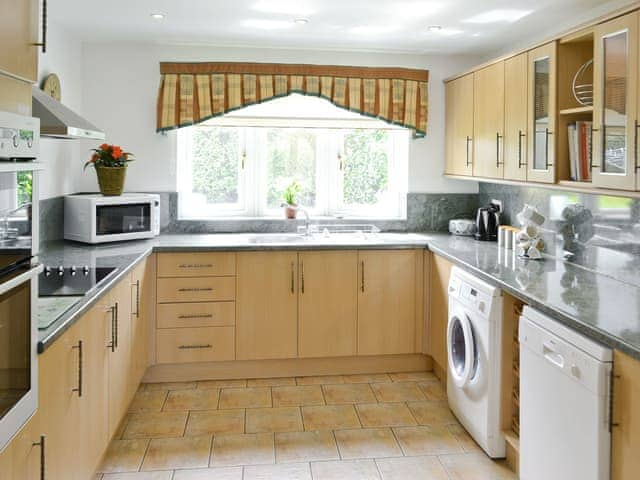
x,y
58,121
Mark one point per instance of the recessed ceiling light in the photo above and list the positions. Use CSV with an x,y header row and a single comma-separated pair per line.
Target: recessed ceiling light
x,y
499,15
157,16
434,28
283,6
301,21
263,24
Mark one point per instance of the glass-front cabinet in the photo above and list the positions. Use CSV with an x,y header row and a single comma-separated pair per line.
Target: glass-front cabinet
x,y
615,104
542,114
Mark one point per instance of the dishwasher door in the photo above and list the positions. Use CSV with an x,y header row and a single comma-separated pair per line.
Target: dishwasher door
x,y
564,403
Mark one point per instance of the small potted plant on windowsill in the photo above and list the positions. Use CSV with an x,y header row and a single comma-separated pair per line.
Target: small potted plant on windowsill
x,y
110,163
289,197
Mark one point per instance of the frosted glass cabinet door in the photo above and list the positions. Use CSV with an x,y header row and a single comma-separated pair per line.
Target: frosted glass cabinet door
x,y
615,83
542,114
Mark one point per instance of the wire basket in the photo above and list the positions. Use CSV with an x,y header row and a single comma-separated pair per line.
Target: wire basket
x,y
582,90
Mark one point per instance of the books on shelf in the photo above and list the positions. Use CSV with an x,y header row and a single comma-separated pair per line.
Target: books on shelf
x,y
580,151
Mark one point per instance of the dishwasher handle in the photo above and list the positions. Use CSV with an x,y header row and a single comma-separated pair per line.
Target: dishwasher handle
x,y
549,352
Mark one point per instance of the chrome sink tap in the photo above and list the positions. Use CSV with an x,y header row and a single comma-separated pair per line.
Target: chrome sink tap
x,y
298,208
6,231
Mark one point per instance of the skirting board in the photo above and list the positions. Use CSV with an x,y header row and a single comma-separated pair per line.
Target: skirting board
x,y
294,367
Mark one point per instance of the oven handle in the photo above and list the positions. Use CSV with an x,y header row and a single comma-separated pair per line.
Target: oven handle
x,y
18,280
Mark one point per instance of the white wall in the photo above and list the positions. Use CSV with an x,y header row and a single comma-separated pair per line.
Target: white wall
x,y
123,103
63,158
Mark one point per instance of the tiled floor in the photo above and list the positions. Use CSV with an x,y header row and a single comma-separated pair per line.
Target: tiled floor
x,y
380,426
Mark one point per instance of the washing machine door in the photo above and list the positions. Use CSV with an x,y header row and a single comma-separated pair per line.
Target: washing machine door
x,y
461,348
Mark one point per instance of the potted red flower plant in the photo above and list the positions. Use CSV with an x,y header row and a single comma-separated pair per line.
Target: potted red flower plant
x,y
110,163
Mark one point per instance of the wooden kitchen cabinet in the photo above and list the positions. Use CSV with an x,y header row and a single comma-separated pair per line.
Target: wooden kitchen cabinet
x,y
625,434
140,280
439,311
267,305
516,75
19,30
459,126
488,121
387,302
25,453
327,305
196,264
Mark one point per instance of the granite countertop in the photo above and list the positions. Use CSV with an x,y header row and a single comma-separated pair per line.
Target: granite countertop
x,y
603,308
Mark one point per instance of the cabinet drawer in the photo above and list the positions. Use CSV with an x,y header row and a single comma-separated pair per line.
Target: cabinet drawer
x,y
205,344
196,264
204,289
181,315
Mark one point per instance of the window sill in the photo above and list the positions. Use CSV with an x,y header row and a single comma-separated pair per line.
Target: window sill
x,y
301,218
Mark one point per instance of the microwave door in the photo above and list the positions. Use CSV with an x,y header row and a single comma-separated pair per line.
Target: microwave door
x,y
122,219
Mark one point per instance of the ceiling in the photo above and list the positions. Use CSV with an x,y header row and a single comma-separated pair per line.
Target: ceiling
x,y
401,26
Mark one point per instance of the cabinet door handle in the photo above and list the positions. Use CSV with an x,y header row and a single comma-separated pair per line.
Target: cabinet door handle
x,y
195,315
613,377
302,277
117,320
520,137
43,44
195,265
469,139
195,347
112,345
498,138
196,289
547,133
78,389
362,275
292,278
591,164
43,462
635,144
137,313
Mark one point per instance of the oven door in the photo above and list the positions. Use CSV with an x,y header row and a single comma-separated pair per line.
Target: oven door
x,y
125,221
18,350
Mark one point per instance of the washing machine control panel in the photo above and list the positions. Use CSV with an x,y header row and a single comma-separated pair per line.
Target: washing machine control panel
x,y
474,298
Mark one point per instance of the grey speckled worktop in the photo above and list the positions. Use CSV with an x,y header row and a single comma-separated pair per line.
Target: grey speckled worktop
x,y
601,307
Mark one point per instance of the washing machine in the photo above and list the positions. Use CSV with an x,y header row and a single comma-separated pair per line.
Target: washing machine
x,y
474,342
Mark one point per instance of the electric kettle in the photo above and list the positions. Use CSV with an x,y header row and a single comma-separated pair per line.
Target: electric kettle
x,y
487,223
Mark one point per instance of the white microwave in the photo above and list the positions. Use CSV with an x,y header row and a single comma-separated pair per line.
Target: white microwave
x,y
94,218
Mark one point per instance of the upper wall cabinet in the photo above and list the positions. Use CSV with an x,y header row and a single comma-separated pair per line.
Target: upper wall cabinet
x,y
542,114
515,117
459,126
488,121
615,103
18,34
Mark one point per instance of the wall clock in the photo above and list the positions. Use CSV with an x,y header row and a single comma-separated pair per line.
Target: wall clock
x,y
51,86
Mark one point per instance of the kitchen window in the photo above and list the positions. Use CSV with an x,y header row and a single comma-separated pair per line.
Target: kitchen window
x,y
240,164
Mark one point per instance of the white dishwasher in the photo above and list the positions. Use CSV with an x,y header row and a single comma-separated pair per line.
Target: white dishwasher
x,y
564,402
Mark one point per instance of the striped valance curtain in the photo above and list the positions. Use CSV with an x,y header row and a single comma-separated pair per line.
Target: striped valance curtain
x,y
191,93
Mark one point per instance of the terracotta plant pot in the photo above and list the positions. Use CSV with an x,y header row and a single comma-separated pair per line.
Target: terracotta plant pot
x,y
111,180
290,213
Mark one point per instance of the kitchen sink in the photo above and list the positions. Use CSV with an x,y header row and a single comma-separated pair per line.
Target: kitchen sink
x,y
277,238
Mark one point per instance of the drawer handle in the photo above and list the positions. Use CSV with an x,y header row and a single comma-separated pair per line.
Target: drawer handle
x,y
78,389
200,315
195,265
196,289
195,347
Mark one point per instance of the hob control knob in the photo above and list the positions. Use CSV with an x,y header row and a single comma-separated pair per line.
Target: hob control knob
x,y
73,270
60,270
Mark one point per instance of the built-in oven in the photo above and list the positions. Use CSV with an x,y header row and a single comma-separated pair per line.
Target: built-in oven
x,y
19,269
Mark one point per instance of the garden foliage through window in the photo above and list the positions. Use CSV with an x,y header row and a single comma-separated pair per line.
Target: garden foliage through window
x,y
241,166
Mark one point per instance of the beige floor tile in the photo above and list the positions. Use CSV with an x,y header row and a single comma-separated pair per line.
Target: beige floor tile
x,y
215,422
139,476
434,391
245,449
358,393
305,446
222,383
367,443
385,415
148,401
330,417
172,453
222,473
124,456
407,468
320,380
297,396
432,413
464,439
279,419
245,397
428,440
294,471
367,378
343,470
155,425
271,382
475,466
170,386
412,376
398,392
182,400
